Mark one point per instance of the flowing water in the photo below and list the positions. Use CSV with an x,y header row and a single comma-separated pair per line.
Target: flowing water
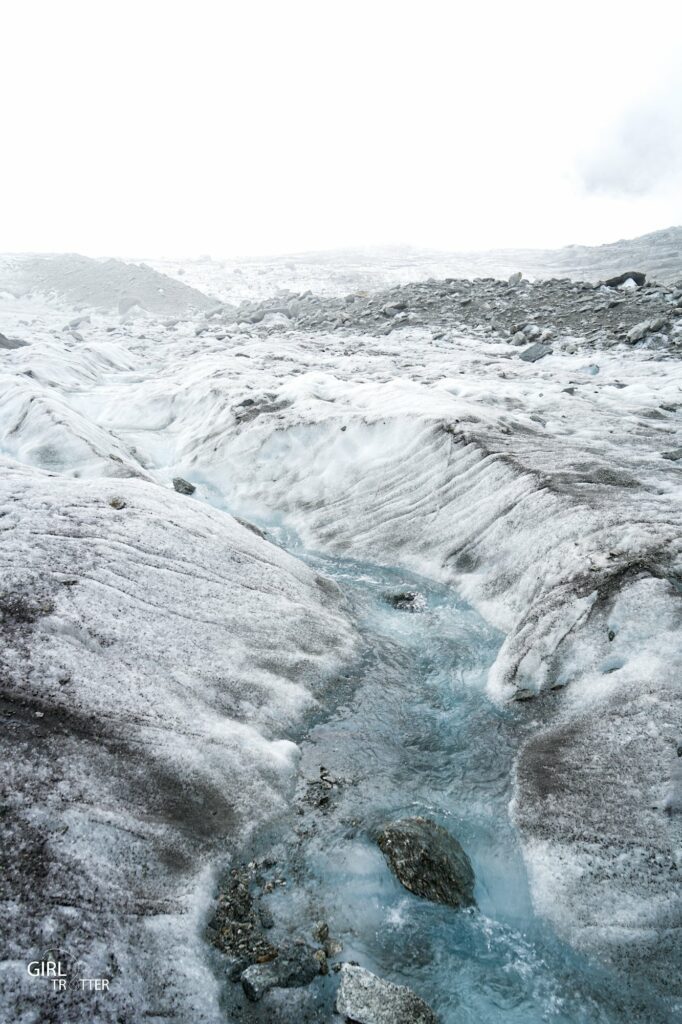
x,y
410,731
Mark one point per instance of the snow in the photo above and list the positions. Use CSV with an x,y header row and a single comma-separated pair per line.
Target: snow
x,y
199,645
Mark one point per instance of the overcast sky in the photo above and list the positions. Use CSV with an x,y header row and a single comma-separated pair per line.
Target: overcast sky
x,y
158,127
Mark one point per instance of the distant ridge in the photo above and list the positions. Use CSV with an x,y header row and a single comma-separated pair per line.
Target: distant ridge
x,y
107,284
338,272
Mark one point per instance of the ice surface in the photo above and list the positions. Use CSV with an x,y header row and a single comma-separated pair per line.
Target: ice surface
x,y
191,645
154,659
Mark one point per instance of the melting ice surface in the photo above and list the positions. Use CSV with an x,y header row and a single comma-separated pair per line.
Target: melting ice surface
x,y
411,732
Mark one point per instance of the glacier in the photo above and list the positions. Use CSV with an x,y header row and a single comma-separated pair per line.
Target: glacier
x,y
159,656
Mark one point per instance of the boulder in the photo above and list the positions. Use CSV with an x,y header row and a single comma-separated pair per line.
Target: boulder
x,y
630,275
428,861
183,486
367,999
641,330
535,352
406,601
294,967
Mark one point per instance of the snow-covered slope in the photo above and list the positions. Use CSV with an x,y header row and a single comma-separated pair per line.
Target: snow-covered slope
x,y
548,491
85,283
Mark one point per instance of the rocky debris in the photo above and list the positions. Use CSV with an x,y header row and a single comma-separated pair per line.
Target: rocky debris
x,y
293,967
673,456
319,792
641,330
11,343
569,314
406,601
535,352
183,486
236,926
117,503
251,408
630,275
365,998
428,861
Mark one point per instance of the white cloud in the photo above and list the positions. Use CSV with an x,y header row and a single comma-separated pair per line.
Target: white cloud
x,y
165,127
641,152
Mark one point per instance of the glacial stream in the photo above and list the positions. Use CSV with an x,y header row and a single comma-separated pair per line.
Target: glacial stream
x,y
410,731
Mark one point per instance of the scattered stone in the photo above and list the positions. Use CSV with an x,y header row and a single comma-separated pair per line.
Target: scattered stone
x,y
319,792
640,330
535,352
236,926
250,526
406,601
266,918
674,456
10,343
117,503
428,861
295,966
183,486
630,275
364,998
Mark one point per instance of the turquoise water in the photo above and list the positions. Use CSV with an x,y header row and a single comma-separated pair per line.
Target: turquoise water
x,y
409,730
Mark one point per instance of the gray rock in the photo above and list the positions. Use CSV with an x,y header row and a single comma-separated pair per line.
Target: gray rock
x,y
428,861
10,343
637,332
295,966
252,527
183,486
367,999
674,456
640,330
406,600
535,352
630,275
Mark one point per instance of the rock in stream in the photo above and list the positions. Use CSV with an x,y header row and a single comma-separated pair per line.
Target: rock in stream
x,y
366,999
428,861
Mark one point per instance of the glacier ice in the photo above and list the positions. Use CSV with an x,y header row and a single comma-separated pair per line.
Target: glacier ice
x,y
169,650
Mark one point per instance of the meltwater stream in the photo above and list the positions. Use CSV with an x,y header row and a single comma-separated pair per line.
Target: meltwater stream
x,y
410,731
